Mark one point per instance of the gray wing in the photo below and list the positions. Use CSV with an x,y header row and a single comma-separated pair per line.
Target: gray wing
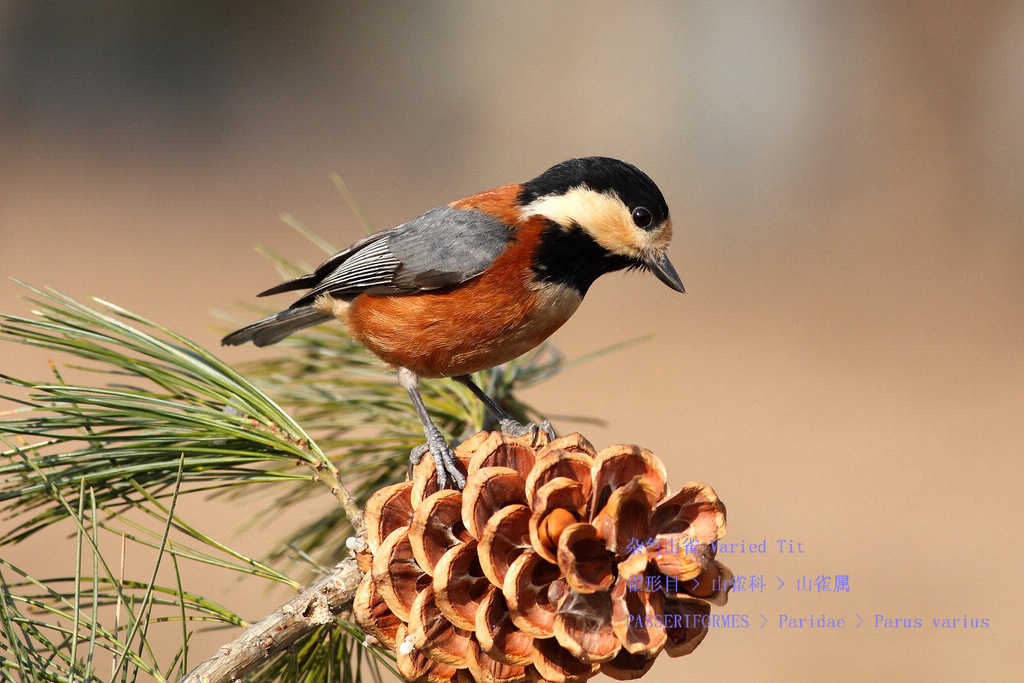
x,y
443,247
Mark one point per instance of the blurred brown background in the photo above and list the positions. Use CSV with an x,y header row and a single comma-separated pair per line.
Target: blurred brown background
x,y
847,183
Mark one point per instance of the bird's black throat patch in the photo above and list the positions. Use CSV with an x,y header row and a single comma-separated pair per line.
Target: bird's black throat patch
x,y
571,257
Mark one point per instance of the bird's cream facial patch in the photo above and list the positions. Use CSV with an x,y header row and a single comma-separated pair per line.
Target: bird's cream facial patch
x,y
605,218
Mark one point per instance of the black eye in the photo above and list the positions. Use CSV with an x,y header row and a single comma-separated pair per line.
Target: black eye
x,y
642,217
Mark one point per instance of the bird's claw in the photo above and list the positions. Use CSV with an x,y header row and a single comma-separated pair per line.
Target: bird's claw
x,y
445,462
531,429
416,455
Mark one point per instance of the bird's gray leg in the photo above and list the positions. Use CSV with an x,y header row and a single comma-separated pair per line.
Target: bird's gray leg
x,y
444,458
508,424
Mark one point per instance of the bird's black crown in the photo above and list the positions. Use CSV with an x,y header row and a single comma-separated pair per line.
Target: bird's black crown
x,y
601,174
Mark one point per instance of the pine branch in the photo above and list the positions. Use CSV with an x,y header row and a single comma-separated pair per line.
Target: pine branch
x,y
313,608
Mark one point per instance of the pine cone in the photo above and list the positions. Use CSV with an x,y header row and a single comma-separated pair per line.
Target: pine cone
x,y
555,563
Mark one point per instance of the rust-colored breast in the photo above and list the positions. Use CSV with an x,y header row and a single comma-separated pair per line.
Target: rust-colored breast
x,y
486,321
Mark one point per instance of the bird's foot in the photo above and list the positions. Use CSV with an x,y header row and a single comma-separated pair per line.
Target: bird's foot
x,y
531,429
445,462
416,455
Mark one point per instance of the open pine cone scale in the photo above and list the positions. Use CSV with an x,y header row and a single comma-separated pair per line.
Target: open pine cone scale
x,y
555,562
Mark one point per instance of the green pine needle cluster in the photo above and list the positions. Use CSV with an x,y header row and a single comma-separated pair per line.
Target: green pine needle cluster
x,y
110,459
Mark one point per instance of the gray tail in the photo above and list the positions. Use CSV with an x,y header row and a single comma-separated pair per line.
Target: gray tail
x,y
275,328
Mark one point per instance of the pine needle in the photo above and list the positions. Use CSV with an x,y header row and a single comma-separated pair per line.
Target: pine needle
x,y
168,419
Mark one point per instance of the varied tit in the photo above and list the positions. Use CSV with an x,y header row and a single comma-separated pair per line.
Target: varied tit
x,y
478,282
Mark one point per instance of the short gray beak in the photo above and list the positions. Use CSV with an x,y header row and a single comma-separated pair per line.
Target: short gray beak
x,y
662,267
